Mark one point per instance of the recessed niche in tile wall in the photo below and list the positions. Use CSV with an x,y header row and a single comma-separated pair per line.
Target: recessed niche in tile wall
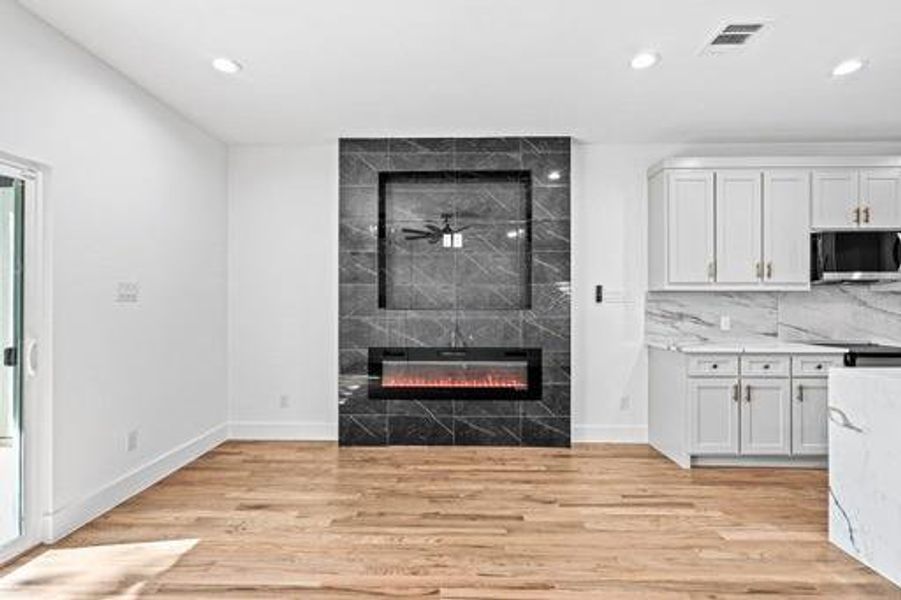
x,y
455,240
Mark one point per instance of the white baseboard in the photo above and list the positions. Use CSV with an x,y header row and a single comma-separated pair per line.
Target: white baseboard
x,y
619,434
63,521
275,430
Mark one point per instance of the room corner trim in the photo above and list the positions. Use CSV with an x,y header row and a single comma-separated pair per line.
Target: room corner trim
x,y
63,521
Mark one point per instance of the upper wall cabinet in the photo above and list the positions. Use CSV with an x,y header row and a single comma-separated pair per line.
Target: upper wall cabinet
x,y
690,218
738,227
856,198
729,229
744,223
786,227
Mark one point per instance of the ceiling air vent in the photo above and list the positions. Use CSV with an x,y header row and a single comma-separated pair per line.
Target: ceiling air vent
x,y
732,37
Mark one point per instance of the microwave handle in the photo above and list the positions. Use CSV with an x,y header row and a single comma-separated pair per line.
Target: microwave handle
x,y
896,252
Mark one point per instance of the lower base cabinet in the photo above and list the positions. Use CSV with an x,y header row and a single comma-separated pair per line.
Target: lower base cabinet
x,y
733,416
768,407
765,417
713,414
809,417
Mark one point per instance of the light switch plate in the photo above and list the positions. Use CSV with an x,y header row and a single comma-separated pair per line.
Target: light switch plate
x,y
725,323
128,292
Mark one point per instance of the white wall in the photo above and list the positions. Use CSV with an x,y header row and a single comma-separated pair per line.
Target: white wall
x,y
134,193
283,292
609,397
282,310
283,209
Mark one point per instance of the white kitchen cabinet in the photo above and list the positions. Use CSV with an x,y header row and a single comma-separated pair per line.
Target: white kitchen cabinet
x,y
713,414
786,227
690,218
880,198
744,223
857,198
836,201
746,407
766,416
738,227
718,230
809,416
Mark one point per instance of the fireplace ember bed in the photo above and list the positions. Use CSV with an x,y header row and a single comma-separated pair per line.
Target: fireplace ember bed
x,y
455,373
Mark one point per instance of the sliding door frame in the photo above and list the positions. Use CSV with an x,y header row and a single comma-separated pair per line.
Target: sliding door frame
x,y
36,361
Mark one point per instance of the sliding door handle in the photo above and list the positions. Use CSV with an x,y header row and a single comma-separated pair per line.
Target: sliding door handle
x,y
30,358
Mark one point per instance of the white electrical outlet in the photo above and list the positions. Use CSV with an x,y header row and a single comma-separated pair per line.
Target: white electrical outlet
x,y
725,323
283,401
131,443
625,403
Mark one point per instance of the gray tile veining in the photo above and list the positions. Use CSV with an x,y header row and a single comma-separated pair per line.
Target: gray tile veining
x,y
695,316
841,312
831,312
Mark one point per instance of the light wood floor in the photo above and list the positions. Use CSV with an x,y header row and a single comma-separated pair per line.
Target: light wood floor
x,y
299,520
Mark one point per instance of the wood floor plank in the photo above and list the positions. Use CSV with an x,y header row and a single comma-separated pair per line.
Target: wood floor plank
x,y
308,520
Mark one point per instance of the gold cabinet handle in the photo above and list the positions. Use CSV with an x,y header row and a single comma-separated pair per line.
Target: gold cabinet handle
x,y
748,394
736,394
769,270
711,270
866,214
856,217
758,269
800,393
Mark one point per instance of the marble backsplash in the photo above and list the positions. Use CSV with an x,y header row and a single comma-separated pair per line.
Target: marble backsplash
x,y
835,312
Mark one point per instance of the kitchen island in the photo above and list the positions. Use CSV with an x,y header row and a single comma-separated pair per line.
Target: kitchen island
x,y
865,466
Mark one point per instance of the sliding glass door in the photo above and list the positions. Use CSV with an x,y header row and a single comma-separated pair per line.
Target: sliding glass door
x,y
12,191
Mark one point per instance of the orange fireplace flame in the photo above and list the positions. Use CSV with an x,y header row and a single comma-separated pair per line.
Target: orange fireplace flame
x,y
489,380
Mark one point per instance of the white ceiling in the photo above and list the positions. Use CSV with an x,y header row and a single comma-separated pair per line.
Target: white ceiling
x,y
316,70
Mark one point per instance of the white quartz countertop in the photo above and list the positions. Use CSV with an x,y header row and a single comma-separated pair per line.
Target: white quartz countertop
x,y
746,347
865,466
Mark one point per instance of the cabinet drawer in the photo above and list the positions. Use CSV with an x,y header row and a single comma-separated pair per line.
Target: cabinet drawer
x,y
713,365
765,366
815,366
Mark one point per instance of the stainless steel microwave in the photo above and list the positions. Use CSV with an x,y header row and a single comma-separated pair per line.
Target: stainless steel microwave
x,y
855,256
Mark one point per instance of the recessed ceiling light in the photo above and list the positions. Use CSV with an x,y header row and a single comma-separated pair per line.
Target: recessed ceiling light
x,y
644,60
554,175
846,67
226,65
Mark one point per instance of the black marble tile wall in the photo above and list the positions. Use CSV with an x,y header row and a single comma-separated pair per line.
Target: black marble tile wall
x,y
472,296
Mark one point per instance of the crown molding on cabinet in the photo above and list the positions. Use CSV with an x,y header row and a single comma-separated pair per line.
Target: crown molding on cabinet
x,y
773,162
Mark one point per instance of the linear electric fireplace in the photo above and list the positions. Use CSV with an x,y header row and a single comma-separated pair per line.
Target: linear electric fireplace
x,y
455,373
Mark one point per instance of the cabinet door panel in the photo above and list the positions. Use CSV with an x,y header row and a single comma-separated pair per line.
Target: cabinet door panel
x,y
809,417
738,226
714,416
766,417
835,198
690,227
786,227
880,198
